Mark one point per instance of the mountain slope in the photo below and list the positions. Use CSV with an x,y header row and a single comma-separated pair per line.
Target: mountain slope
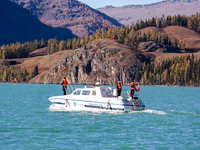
x,y
179,33
131,13
108,57
71,14
105,56
18,24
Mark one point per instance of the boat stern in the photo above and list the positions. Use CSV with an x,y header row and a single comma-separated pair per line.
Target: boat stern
x,y
133,104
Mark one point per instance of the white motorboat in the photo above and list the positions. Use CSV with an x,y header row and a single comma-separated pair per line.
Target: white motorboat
x,y
97,98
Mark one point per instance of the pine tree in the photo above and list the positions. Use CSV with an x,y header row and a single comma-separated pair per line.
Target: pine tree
x,y
168,21
5,75
3,48
61,45
172,74
183,44
35,72
69,44
145,76
176,43
190,24
148,36
97,35
121,34
74,43
87,38
103,33
78,43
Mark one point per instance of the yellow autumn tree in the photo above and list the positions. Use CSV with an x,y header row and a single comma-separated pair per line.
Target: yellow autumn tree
x,y
3,52
145,77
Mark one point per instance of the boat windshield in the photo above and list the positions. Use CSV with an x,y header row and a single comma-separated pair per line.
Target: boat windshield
x,y
86,92
77,92
106,91
94,93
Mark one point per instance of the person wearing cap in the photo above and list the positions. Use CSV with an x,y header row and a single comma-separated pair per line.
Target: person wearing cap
x,y
119,88
64,84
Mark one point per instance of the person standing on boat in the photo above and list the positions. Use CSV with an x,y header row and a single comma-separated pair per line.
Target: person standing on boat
x,y
119,88
64,84
132,89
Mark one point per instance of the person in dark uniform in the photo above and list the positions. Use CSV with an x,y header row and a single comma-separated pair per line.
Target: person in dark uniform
x,y
132,89
119,88
64,84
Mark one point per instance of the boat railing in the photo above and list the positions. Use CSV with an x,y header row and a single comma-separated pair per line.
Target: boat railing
x,y
128,93
70,89
136,94
124,94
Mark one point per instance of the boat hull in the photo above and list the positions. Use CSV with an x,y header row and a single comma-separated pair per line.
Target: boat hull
x,y
114,104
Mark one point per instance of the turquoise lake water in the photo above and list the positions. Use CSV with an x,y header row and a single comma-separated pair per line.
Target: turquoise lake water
x,y
171,121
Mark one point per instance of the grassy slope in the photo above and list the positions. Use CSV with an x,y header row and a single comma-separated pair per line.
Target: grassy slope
x,y
181,33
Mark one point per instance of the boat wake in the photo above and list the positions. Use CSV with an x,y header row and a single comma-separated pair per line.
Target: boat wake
x,y
169,112
54,107
183,112
155,112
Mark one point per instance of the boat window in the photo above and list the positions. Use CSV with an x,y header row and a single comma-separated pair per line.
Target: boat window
x,y
93,93
106,92
78,92
85,92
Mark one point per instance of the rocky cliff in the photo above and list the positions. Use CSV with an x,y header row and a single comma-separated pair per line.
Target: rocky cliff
x,y
106,60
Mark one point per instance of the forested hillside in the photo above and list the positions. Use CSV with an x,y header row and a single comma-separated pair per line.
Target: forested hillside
x,y
172,38
181,70
174,34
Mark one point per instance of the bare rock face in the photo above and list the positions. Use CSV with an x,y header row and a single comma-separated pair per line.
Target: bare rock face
x,y
105,60
151,46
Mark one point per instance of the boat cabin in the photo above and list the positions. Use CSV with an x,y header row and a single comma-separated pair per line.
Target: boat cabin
x,y
96,91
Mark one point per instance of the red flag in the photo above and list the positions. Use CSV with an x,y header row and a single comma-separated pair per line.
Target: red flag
x,y
138,87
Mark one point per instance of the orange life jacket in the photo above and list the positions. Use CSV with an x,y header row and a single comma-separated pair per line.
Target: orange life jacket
x,y
65,82
119,86
132,86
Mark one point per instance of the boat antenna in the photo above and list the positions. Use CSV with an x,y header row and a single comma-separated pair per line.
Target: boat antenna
x,y
100,75
100,79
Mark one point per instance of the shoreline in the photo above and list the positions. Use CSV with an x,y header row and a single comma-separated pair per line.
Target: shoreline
x,y
167,85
